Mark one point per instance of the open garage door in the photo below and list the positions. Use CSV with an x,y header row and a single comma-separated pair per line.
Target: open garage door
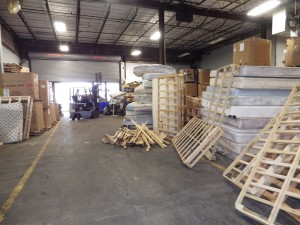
x,y
75,68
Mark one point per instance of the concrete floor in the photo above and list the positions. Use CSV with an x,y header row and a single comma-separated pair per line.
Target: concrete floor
x,y
79,180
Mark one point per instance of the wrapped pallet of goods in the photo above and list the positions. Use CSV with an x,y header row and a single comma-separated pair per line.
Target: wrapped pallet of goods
x,y
47,118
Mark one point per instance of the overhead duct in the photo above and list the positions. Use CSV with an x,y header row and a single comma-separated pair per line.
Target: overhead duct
x,y
184,13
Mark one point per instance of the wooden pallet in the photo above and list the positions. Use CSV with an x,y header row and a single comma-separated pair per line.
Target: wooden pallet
x,y
195,140
277,169
27,103
168,98
220,98
38,132
239,170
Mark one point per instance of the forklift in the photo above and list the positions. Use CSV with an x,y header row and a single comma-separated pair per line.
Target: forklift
x,y
86,106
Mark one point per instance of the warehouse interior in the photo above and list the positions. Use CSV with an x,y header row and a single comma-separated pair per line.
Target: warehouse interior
x,y
150,112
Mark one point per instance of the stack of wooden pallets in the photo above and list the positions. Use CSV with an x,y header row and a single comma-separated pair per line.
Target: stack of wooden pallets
x,y
12,68
268,170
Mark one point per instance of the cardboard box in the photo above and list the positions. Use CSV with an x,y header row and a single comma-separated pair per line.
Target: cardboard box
x,y
203,76
190,89
52,113
37,119
44,92
189,75
47,118
21,84
201,88
56,111
252,51
292,56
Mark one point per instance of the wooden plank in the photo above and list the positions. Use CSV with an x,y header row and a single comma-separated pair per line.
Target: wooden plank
x,y
274,165
195,140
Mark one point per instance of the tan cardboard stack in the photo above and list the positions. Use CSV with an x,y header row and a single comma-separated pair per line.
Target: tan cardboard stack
x,y
292,57
190,82
203,80
26,84
252,51
44,94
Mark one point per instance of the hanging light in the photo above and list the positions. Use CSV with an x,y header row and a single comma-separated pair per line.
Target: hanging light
x,y
136,52
263,8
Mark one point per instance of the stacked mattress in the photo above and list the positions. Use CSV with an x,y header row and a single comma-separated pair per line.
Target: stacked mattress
x,y
257,95
141,109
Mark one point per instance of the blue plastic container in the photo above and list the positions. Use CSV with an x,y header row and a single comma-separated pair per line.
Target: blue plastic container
x,y
102,105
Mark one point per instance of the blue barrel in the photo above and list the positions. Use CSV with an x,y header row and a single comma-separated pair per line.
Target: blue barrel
x,y
102,105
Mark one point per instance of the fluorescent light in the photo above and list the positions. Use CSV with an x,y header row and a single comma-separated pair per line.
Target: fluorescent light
x,y
216,41
184,54
155,36
263,8
136,52
64,48
60,26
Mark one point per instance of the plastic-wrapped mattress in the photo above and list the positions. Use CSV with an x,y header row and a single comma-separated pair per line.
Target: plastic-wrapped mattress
x,y
252,92
246,111
269,71
147,83
251,100
142,69
232,146
11,122
240,136
135,106
242,123
259,83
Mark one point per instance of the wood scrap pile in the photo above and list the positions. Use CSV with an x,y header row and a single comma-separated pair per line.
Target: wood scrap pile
x,y
142,136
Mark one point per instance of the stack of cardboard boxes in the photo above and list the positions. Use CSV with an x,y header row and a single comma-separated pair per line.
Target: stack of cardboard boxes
x,y
28,84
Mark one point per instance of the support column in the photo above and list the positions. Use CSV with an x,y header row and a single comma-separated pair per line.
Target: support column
x,y
263,31
162,47
1,56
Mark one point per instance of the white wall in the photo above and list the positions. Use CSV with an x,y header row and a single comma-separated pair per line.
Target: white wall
x,y
217,58
9,57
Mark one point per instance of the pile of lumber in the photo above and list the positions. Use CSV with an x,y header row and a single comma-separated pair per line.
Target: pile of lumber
x,y
12,68
142,136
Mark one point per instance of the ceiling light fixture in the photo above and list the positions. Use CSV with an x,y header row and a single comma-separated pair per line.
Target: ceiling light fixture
x,y
155,36
136,52
216,41
60,26
184,54
64,48
263,8
13,6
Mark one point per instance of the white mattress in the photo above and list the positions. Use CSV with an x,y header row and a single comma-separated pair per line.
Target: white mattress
x,y
246,111
135,106
269,71
242,123
232,146
252,92
240,136
260,83
251,100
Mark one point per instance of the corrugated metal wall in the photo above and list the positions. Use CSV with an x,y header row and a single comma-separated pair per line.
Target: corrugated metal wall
x,y
79,71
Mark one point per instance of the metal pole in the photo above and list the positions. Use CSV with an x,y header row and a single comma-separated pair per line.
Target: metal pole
x,y
162,47
263,31
120,76
1,56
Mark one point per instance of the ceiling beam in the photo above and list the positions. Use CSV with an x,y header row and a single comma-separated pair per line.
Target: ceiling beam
x,y
124,30
103,24
23,18
200,11
8,28
150,54
77,20
51,20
